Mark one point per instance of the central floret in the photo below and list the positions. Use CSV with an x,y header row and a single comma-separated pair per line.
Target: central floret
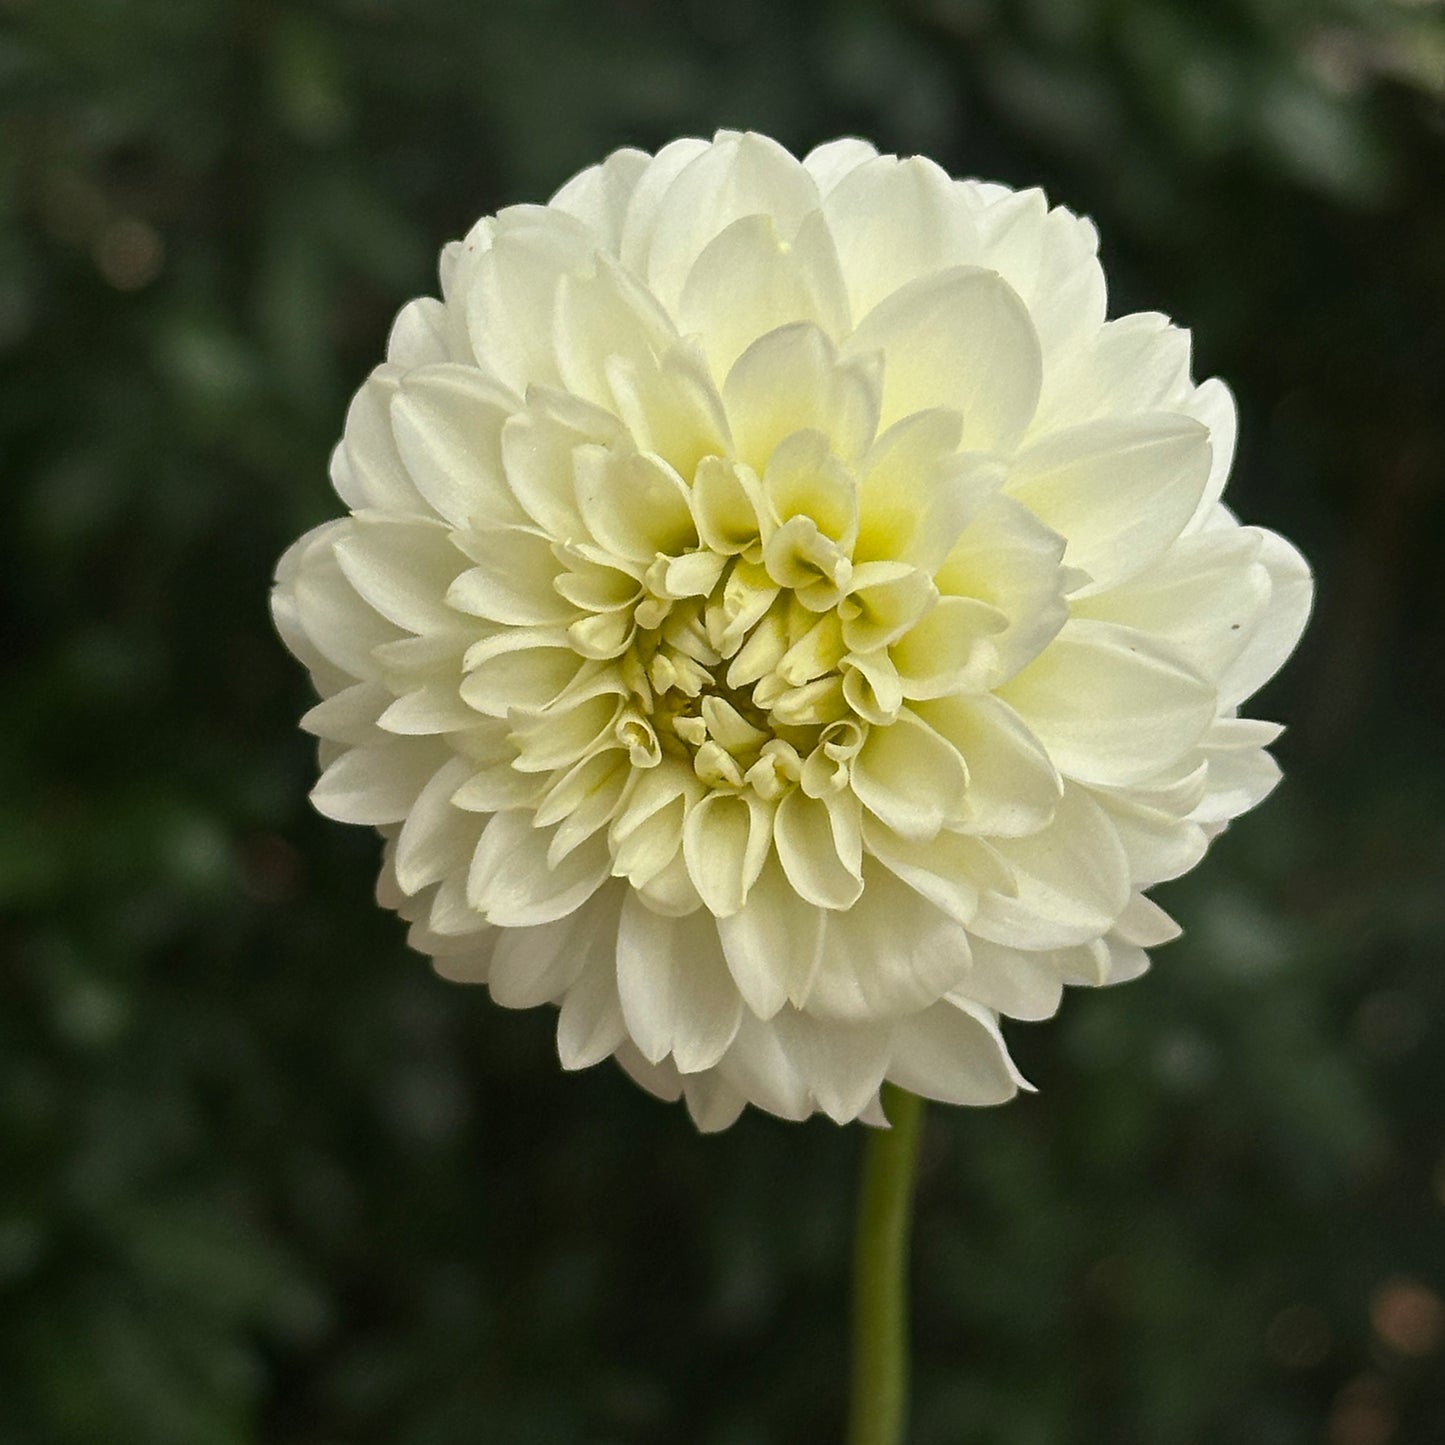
x,y
750,647
744,685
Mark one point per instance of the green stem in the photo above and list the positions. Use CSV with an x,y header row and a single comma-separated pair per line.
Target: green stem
x,y
878,1411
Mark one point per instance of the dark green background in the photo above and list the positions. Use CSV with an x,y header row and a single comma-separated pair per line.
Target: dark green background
x,y
264,1179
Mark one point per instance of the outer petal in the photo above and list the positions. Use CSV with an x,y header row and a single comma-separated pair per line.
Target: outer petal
x,y
959,339
1011,981
1071,881
590,1025
894,221
773,944
738,175
748,281
1205,597
677,995
1278,631
894,955
377,785
831,161
513,293
447,425
841,1065
600,196
1119,490
1110,704
512,883
954,1053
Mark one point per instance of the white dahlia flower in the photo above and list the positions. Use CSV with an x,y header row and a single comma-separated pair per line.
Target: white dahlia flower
x,y
781,622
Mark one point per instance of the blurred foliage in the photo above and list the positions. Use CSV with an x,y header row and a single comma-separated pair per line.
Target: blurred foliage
x,y
263,1178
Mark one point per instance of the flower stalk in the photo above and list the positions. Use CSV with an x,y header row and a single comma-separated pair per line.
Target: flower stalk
x,y
878,1409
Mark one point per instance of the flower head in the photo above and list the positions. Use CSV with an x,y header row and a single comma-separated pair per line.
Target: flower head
x,y
783,623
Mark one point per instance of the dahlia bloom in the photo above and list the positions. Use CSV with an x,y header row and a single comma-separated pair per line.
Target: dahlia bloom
x,y
781,622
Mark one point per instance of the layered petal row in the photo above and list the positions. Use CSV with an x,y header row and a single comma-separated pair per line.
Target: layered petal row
x,y
782,623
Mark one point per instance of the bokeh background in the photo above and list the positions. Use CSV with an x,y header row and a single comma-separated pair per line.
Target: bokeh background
x,y
264,1179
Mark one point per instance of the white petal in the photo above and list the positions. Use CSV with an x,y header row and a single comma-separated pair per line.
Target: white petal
x,y
948,651
725,841
512,883
432,708
447,423
1204,597
343,629
738,175
451,916
894,221
519,667
918,494
402,569
646,834
458,960
349,716
662,1079
834,159
954,1053
1010,981
537,456
842,1065
312,547
748,281
1013,785
820,848
421,335
437,838
712,1103
532,966
635,506
1110,704
1136,363
950,870
513,293
1239,779
1278,631
760,1067
1124,962
959,339
514,581
602,315
377,785
366,469
773,944
1146,925
671,407
1119,489
892,955
600,196
565,733
908,777
677,995
1050,258
792,380
1212,403
1072,880
1159,844
1009,559
645,203
590,1025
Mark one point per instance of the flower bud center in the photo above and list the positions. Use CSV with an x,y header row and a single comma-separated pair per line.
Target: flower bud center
x,y
743,682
